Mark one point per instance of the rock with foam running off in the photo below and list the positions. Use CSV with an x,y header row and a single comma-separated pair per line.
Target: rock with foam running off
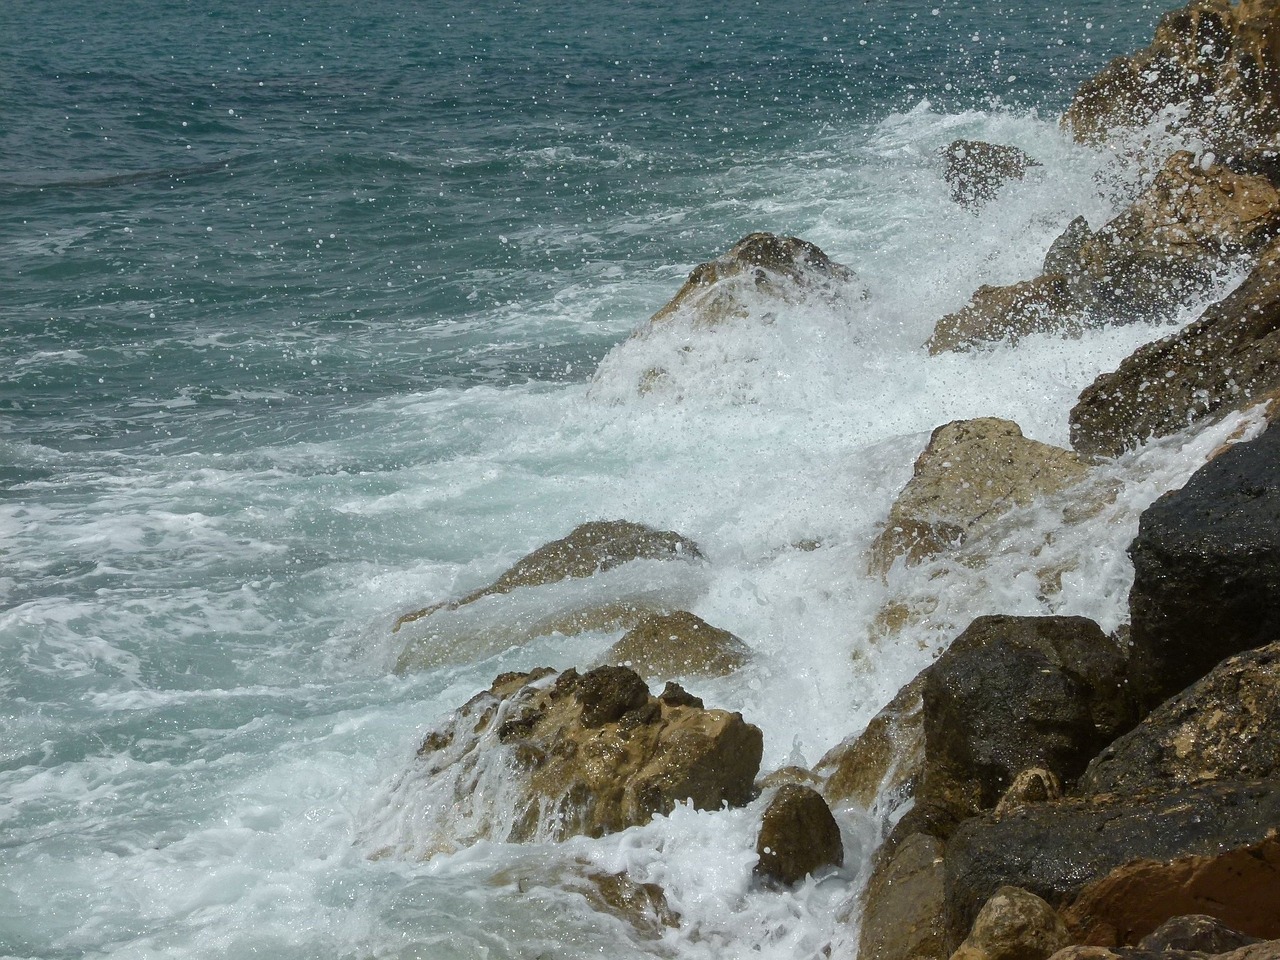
x,y
1009,313
1226,360
474,626
1014,925
1212,70
544,756
798,836
678,644
970,473
643,906
975,170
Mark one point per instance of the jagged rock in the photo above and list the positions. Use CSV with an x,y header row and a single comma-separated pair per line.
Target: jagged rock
x,y
1014,925
546,756
970,473
590,549
1239,888
1018,692
902,916
1056,849
758,265
1226,726
678,644
1212,68
1207,569
1228,359
798,836
886,757
1009,313
1198,932
976,170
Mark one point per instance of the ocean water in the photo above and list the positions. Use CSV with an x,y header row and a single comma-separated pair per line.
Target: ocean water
x,y
312,314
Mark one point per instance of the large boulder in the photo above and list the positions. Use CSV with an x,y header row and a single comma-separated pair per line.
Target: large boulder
x,y
1239,888
975,170
798,836
1228,359
970,473
1213,68
1009,313
1207,569
676,644
1014,925
546,756
1226,726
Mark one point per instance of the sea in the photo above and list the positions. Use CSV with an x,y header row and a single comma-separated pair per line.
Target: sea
x,y
315,313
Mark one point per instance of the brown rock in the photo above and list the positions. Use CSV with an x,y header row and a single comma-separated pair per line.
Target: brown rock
x,y
976,170
1014,925
970,473
1198,932
1268,950
678,644
1009,313
1240,888
902,916
643,905
1033,785
798,836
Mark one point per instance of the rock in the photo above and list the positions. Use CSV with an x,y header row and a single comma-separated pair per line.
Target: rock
x,y
678,644
902,915
643,905
1014,925
970,473
1212,69
886,757
545,756
1225,726
1056,849
1239,888
1010,313
975,170
1033,785
1268,950
1063,256
1018,692
1198,932
798,836
1207,569
1228,359
758,265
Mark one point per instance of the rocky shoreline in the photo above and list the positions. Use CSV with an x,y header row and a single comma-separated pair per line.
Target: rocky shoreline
x,y
1047,788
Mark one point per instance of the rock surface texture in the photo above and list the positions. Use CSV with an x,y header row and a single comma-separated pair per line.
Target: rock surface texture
x,y
902,916
975,170
1014,925
798,836
678,644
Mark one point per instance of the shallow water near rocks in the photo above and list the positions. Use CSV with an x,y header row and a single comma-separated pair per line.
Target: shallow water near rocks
x,y
314,316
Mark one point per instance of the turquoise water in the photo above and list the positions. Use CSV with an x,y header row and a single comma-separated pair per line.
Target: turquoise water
x,y
302,309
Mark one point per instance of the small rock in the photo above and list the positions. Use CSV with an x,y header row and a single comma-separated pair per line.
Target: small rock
x,y
1198,932
976,170
679,644
798,836
1014,925
1033,785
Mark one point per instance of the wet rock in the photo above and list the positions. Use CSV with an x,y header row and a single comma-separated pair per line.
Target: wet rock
x,y
643,905
1018,692
1239,888
1033,785
1056,849
902,915
798,836
1228,359
887,757
1198,932
976,170
1063,256
1010,313
1212,69
1225,726
970,473
1014,925
546,756
1207,569
679,644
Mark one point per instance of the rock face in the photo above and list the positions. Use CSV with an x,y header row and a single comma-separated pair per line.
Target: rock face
x,y
902,919
546,756
976,170
970,473
1226,726
1212,67
1018,692
1009,313
1014,925
1207,568
1226,360
1239,889
798,836
1055,849
678,644
758,265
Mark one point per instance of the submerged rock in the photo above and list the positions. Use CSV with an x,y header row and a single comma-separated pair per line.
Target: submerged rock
x,y
678,644
798,836
976,170
1014,925
546,756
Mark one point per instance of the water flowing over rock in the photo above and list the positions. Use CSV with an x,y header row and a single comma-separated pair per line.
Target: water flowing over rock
x,y
1207,569
976,170
678,644
969,474
1014,925
798,836
1213,68
544,756
1228,359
